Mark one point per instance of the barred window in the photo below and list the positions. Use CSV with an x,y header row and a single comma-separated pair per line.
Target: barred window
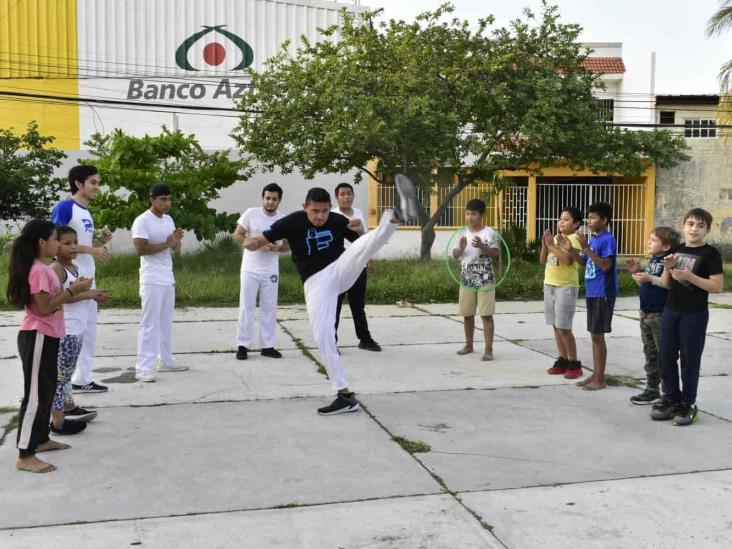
x,y
667,117
700,128
606,110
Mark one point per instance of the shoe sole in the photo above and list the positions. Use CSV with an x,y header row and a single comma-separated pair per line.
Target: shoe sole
x,y
693,420
88,391
645,403
86,418
163,370
407,198
347,409
145,380
61,434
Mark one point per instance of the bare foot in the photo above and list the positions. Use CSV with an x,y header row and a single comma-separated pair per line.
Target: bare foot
x,y
488,355
586,381
51,445
33,465
594,386
465,350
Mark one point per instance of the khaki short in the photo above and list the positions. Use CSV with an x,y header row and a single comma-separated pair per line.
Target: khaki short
x,y
474,302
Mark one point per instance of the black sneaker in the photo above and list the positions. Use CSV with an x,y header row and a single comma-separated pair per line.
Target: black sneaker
x,y
407,210
241,353
70,427
369,345
91,387
271,352
686,416
342,404
665,409
648,396
80,414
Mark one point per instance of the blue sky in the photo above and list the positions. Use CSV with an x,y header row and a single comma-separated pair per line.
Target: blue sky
x,y
687,61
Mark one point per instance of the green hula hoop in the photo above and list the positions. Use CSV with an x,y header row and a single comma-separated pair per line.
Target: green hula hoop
x,y
448,257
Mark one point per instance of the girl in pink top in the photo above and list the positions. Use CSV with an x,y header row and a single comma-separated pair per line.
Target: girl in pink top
x,y
32,284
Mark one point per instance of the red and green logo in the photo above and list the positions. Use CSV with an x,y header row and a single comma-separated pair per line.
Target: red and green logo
x,y
215,52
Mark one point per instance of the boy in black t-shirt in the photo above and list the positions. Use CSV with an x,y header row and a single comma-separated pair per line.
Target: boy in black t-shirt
x,y
690,273
316,236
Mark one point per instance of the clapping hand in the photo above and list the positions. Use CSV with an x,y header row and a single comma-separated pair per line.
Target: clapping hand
x,y
681,274
632,265
477,242
582,239
463,243
669,261
641,277
547,238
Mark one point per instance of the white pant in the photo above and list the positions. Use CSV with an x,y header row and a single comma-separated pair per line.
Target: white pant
x,y
156,326
83,372
266,284
323,288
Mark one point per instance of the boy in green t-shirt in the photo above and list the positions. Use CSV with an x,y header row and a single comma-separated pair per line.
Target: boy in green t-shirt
x,y
561,287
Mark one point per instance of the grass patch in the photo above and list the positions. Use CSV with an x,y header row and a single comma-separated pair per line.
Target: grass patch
x,y
210,277
622,381
10,426
412,446
720,306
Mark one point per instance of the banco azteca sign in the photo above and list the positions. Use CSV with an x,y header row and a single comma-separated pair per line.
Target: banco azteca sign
x,y
222,47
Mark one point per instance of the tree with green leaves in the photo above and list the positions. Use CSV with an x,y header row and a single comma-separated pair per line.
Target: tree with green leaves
x,y
439,93
129,166
28,187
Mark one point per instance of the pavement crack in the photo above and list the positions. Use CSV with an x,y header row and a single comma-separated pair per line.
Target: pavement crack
x,y
572,466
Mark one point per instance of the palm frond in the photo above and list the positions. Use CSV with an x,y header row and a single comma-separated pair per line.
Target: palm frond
x,y
721,21
725,77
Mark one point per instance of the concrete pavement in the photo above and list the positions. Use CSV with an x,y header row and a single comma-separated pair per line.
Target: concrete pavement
x,y
232,453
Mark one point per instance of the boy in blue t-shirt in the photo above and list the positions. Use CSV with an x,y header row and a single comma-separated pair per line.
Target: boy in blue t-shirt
x,y
652,300
601,287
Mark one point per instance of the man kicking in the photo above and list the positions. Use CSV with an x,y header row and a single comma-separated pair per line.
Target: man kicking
x,y
316,239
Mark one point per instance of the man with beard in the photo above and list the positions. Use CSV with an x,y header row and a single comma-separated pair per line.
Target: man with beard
x,y
260,274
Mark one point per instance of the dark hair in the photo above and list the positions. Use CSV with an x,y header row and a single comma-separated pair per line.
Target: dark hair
x,y
272,188
342,186
317,194
80,173
700,214
160,189
574,213
64,229
603,209
667,236
476,205
22,255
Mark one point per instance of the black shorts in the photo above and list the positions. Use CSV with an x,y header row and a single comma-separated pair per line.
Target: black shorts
x,y
600,314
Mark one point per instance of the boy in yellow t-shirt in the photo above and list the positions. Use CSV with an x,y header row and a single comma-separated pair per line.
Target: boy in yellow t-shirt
x,y
561,286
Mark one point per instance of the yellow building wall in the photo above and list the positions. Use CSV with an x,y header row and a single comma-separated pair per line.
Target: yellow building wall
x,y
38,56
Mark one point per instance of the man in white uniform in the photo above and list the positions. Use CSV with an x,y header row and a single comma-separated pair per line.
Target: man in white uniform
x,y
155,238
74,212
260,274
357,292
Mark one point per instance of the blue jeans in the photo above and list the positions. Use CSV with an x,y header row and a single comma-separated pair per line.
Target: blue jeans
x,y
682,334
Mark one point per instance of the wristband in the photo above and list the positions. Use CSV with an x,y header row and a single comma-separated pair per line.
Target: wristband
x,y
656,280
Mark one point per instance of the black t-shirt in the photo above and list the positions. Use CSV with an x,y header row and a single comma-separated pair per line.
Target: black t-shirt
x,y
313,248
704,261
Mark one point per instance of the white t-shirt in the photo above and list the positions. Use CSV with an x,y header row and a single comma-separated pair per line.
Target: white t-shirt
x,y
71,213
77,313
155,268
255,222
477,267
357,214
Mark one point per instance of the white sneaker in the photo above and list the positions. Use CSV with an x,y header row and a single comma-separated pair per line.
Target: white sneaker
x,y
145,377
174,367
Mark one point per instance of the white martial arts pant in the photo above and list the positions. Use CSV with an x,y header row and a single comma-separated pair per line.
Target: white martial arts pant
x,y
266,285
323,288
156,326
83,372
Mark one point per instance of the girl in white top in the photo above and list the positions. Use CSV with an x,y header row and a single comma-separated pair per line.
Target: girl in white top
x,y
76,316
